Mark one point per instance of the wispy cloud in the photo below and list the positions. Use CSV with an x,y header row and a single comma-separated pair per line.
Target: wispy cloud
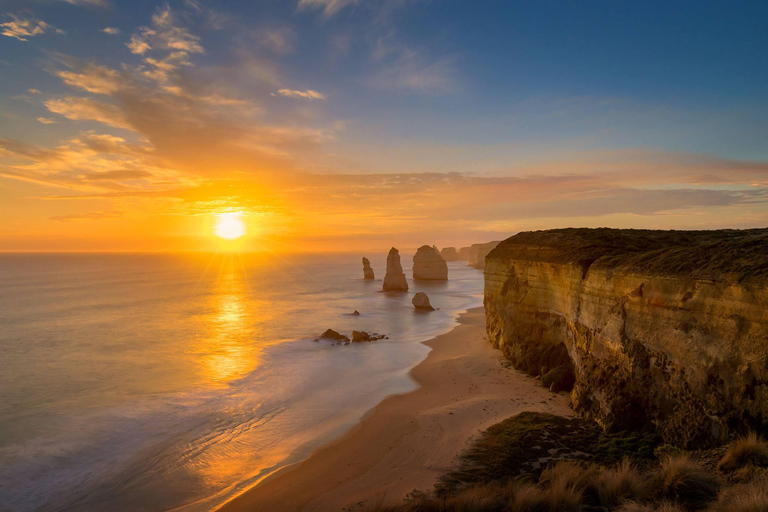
x,y
328,7
113,31
88,216
307,95
95,3
46,120
22,27
165,33
400,67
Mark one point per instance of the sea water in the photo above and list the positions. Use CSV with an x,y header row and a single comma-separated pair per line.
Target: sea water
x,y
158,382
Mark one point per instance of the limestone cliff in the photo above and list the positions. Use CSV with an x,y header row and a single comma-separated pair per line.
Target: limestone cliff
x,y
667,329
394,280
428,265
449,254
478,252
367,270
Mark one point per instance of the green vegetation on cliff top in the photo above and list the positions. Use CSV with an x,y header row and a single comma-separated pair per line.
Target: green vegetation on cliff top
x,y
717,254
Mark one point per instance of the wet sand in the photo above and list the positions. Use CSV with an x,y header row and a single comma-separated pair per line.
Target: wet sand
x,y
408,440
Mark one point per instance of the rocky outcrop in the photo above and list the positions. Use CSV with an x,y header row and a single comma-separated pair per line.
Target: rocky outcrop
x,y
464,253
428,265
394,280
421,301
478,252
359,336
332,335
367,270
449,254
664,329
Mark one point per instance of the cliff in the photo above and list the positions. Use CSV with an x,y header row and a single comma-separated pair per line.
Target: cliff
x,y
662,329
428,265
478,252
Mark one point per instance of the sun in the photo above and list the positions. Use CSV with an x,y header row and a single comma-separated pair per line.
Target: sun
x,y
229,226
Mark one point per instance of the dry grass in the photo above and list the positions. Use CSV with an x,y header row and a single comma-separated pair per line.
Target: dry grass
x,y
686,483
664,506
749,450
622,483
530,498
751,497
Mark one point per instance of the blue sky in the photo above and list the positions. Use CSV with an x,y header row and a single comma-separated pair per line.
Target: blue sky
x,y
656,102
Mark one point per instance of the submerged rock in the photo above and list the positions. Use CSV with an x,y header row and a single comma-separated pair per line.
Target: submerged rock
x,y
359,336
449,254
367,270
330,334
428,265
394,280
421,301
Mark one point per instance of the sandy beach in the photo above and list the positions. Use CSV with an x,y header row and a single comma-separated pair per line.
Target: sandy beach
x,y
408,440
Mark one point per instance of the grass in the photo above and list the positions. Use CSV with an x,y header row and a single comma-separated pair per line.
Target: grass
x,y
622,483
686,483
748,450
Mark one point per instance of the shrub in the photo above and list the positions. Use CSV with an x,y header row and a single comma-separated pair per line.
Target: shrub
x,y
751,497
749,450
480,498
664,506
530,498
622,483
686,483
667,450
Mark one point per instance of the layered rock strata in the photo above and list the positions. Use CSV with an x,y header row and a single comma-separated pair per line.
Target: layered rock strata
x,y
394,280
662,329
428,265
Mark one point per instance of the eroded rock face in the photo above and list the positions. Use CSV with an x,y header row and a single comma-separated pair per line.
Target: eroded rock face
x,y
449,254
464,253
478,252
394,280
421,301
660,328
428,265
367,270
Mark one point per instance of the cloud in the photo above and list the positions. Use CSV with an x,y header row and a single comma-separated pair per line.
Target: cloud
x,y
88,216
46,120
307,95
22,27
96,3
279,40
399,67
33,91
164,33
87,109
111,31
328,7
92,78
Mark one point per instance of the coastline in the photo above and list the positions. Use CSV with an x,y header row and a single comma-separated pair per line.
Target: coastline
x,y
408,440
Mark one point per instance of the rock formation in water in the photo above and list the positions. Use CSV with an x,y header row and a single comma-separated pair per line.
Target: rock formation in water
x,y
367,270
449,254
421,301
664,329
394,280
478,252
330,334
428,265
464,253
358,336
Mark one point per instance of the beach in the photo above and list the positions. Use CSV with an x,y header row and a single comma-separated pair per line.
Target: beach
x,y
408,440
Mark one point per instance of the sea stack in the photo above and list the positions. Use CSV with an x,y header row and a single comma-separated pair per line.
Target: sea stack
x,y
464,253
449,254
367,270
394,280
421,301
478,252
428,265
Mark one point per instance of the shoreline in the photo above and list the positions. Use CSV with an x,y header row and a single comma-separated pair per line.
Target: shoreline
x,y
408,440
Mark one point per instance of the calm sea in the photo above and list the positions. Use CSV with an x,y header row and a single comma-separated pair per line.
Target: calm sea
x,y
157,382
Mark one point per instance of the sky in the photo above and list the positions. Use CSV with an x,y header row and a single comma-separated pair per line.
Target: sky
x,y
344,125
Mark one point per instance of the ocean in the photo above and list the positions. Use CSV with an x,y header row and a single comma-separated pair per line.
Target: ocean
x,y
149,382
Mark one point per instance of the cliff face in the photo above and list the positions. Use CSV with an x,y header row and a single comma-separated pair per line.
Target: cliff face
x,y
667,329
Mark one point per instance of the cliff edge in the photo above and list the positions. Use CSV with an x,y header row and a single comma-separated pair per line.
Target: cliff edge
x,y
658,329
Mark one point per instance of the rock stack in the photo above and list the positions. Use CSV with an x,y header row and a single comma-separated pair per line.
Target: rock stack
x,y
428,265
478,252
367,270
394,280
421,301
449,254
464,253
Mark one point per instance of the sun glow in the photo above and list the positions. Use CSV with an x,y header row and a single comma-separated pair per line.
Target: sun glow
x,y
229,226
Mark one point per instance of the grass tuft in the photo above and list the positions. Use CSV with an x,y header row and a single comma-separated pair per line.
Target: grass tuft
x,y
686,483
749,450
